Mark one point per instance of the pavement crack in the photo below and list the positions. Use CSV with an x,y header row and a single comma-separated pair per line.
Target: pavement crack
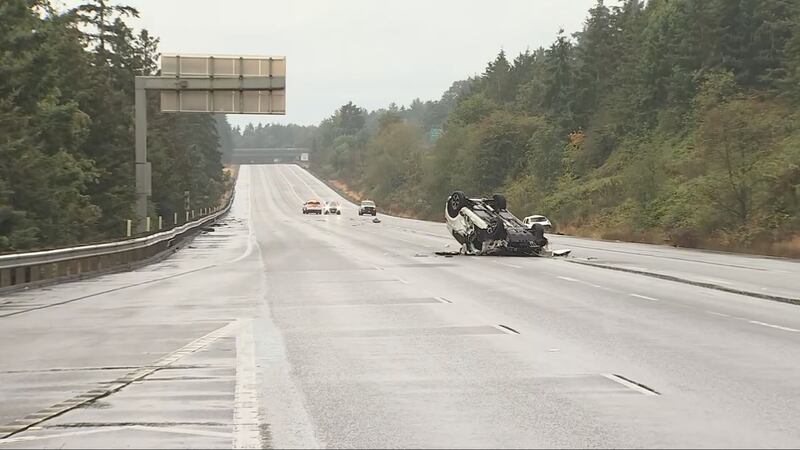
x,y
131,424
107,291
86,398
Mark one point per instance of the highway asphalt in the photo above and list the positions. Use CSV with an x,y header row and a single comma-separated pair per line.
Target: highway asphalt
x,y
285,330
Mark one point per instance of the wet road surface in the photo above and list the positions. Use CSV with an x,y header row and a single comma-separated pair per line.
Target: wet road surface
x,y
285,330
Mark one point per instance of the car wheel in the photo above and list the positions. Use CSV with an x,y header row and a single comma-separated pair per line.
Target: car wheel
x,y
338,213
477,244
326,213
456,201
499,201
538,234
496,230
374,214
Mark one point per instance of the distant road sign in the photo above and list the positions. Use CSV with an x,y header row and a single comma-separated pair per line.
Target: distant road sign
x,y
222,66
224,84
304,157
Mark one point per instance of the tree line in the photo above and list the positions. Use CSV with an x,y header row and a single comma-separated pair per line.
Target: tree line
x,y
666,120
67,130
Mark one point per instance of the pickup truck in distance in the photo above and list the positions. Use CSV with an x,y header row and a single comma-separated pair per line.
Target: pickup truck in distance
x,y
367,207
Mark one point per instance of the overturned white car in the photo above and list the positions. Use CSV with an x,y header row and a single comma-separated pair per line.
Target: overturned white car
x,y
483,226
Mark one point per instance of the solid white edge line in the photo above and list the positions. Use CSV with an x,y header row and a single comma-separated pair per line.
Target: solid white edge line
x,y
246,424
718,314
251,234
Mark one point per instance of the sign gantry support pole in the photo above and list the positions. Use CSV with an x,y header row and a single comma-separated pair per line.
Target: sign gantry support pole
x,y
143,176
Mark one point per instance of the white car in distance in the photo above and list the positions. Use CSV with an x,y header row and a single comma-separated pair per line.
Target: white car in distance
x,y
332,207
541,220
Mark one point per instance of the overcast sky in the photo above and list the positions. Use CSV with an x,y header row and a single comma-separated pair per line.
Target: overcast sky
x,y
372,52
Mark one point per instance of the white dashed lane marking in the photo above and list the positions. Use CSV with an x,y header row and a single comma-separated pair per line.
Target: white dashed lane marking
x,y
573,280
644,297
755,322
513,266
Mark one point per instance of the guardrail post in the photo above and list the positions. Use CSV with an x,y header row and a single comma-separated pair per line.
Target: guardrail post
x,y
160,222
187,217
192,214
147,224
36,273
128,228
175,219
19,275
5,277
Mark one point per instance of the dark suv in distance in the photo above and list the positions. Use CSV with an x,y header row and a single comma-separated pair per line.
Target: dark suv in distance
x,y
367,207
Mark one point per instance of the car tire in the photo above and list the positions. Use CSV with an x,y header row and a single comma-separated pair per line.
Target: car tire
x,y
478,244
456,201
374,214
499,201
496,230
326,213
338,213
538,234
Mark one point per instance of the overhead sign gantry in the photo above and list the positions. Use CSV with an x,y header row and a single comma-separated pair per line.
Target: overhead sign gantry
x,y
207,84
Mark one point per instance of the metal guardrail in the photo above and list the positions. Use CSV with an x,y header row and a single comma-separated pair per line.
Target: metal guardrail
x,y
21,269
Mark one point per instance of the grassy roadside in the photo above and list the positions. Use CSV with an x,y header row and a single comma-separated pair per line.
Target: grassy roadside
x,y
788,248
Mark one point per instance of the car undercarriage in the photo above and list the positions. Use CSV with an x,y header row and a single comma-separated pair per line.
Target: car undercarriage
x,y
483,226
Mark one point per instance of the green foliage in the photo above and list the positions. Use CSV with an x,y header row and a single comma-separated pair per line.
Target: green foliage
x,y
66,127
666,119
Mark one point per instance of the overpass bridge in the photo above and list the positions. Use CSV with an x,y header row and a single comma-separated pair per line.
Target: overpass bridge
x,y
277,155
